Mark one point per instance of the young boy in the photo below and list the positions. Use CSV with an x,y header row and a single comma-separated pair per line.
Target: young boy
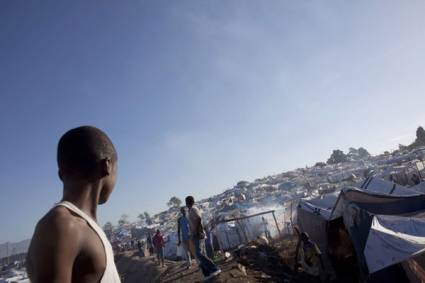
x,y
68,245
158,242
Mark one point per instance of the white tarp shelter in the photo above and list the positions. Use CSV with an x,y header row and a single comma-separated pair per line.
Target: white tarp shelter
x,y
420,188
321,206
313,215
382,217
381,186
393,239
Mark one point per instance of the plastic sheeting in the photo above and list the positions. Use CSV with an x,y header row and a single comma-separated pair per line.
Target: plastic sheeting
x,y
393,239
170,248
313,216
419,188
321,206
381,186
377,203
358,207
227,237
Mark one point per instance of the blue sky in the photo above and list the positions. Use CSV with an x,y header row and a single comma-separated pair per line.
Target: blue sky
x,y
197,95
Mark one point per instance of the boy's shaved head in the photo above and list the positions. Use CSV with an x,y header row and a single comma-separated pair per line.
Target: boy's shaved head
x,y
80,149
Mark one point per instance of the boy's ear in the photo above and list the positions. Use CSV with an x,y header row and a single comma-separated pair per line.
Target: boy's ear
x,y
106,166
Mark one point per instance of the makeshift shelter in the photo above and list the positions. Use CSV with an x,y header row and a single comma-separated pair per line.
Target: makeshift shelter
x,y
420,188
346,221
313,217
229,235
394,239
321,206
384,229
232,232
170,248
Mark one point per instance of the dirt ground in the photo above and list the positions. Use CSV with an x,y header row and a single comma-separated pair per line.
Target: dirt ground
x,y
249,263
135,269
231,273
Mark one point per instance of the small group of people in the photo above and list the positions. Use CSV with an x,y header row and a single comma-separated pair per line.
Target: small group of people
x,y
191,238
153,246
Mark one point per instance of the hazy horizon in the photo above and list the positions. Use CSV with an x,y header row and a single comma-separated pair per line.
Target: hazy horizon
x,y
199,95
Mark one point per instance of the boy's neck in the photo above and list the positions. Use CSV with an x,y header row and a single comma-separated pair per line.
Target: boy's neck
x,y
83,196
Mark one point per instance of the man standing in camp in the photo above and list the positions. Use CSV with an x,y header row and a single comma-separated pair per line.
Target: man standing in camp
x,y
209,269
149,244
68,245
183,235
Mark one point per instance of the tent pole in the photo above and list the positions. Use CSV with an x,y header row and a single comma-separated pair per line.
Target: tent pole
x,y
277,225
291,213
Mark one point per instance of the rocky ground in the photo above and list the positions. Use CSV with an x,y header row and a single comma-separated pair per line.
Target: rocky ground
x,y
254,262
133,268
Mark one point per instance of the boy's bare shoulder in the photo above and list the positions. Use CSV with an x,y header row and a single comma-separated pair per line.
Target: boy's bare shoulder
x,y
59,232
62,217
60,222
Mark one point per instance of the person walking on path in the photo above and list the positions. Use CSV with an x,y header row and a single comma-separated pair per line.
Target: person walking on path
x,y
209,249
149,244
208,268
140,247
68,245
183,234
158,243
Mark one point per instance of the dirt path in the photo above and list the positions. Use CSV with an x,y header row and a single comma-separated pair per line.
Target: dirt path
x,y
232,272
251,263
134,269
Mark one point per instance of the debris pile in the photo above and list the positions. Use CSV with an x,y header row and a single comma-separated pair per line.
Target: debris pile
x,y
264,258
270,262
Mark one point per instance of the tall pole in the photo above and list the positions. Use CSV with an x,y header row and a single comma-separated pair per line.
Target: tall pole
x,y
241,226
277,225
292,202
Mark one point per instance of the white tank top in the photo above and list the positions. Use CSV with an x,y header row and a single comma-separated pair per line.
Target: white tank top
x,y
111,274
